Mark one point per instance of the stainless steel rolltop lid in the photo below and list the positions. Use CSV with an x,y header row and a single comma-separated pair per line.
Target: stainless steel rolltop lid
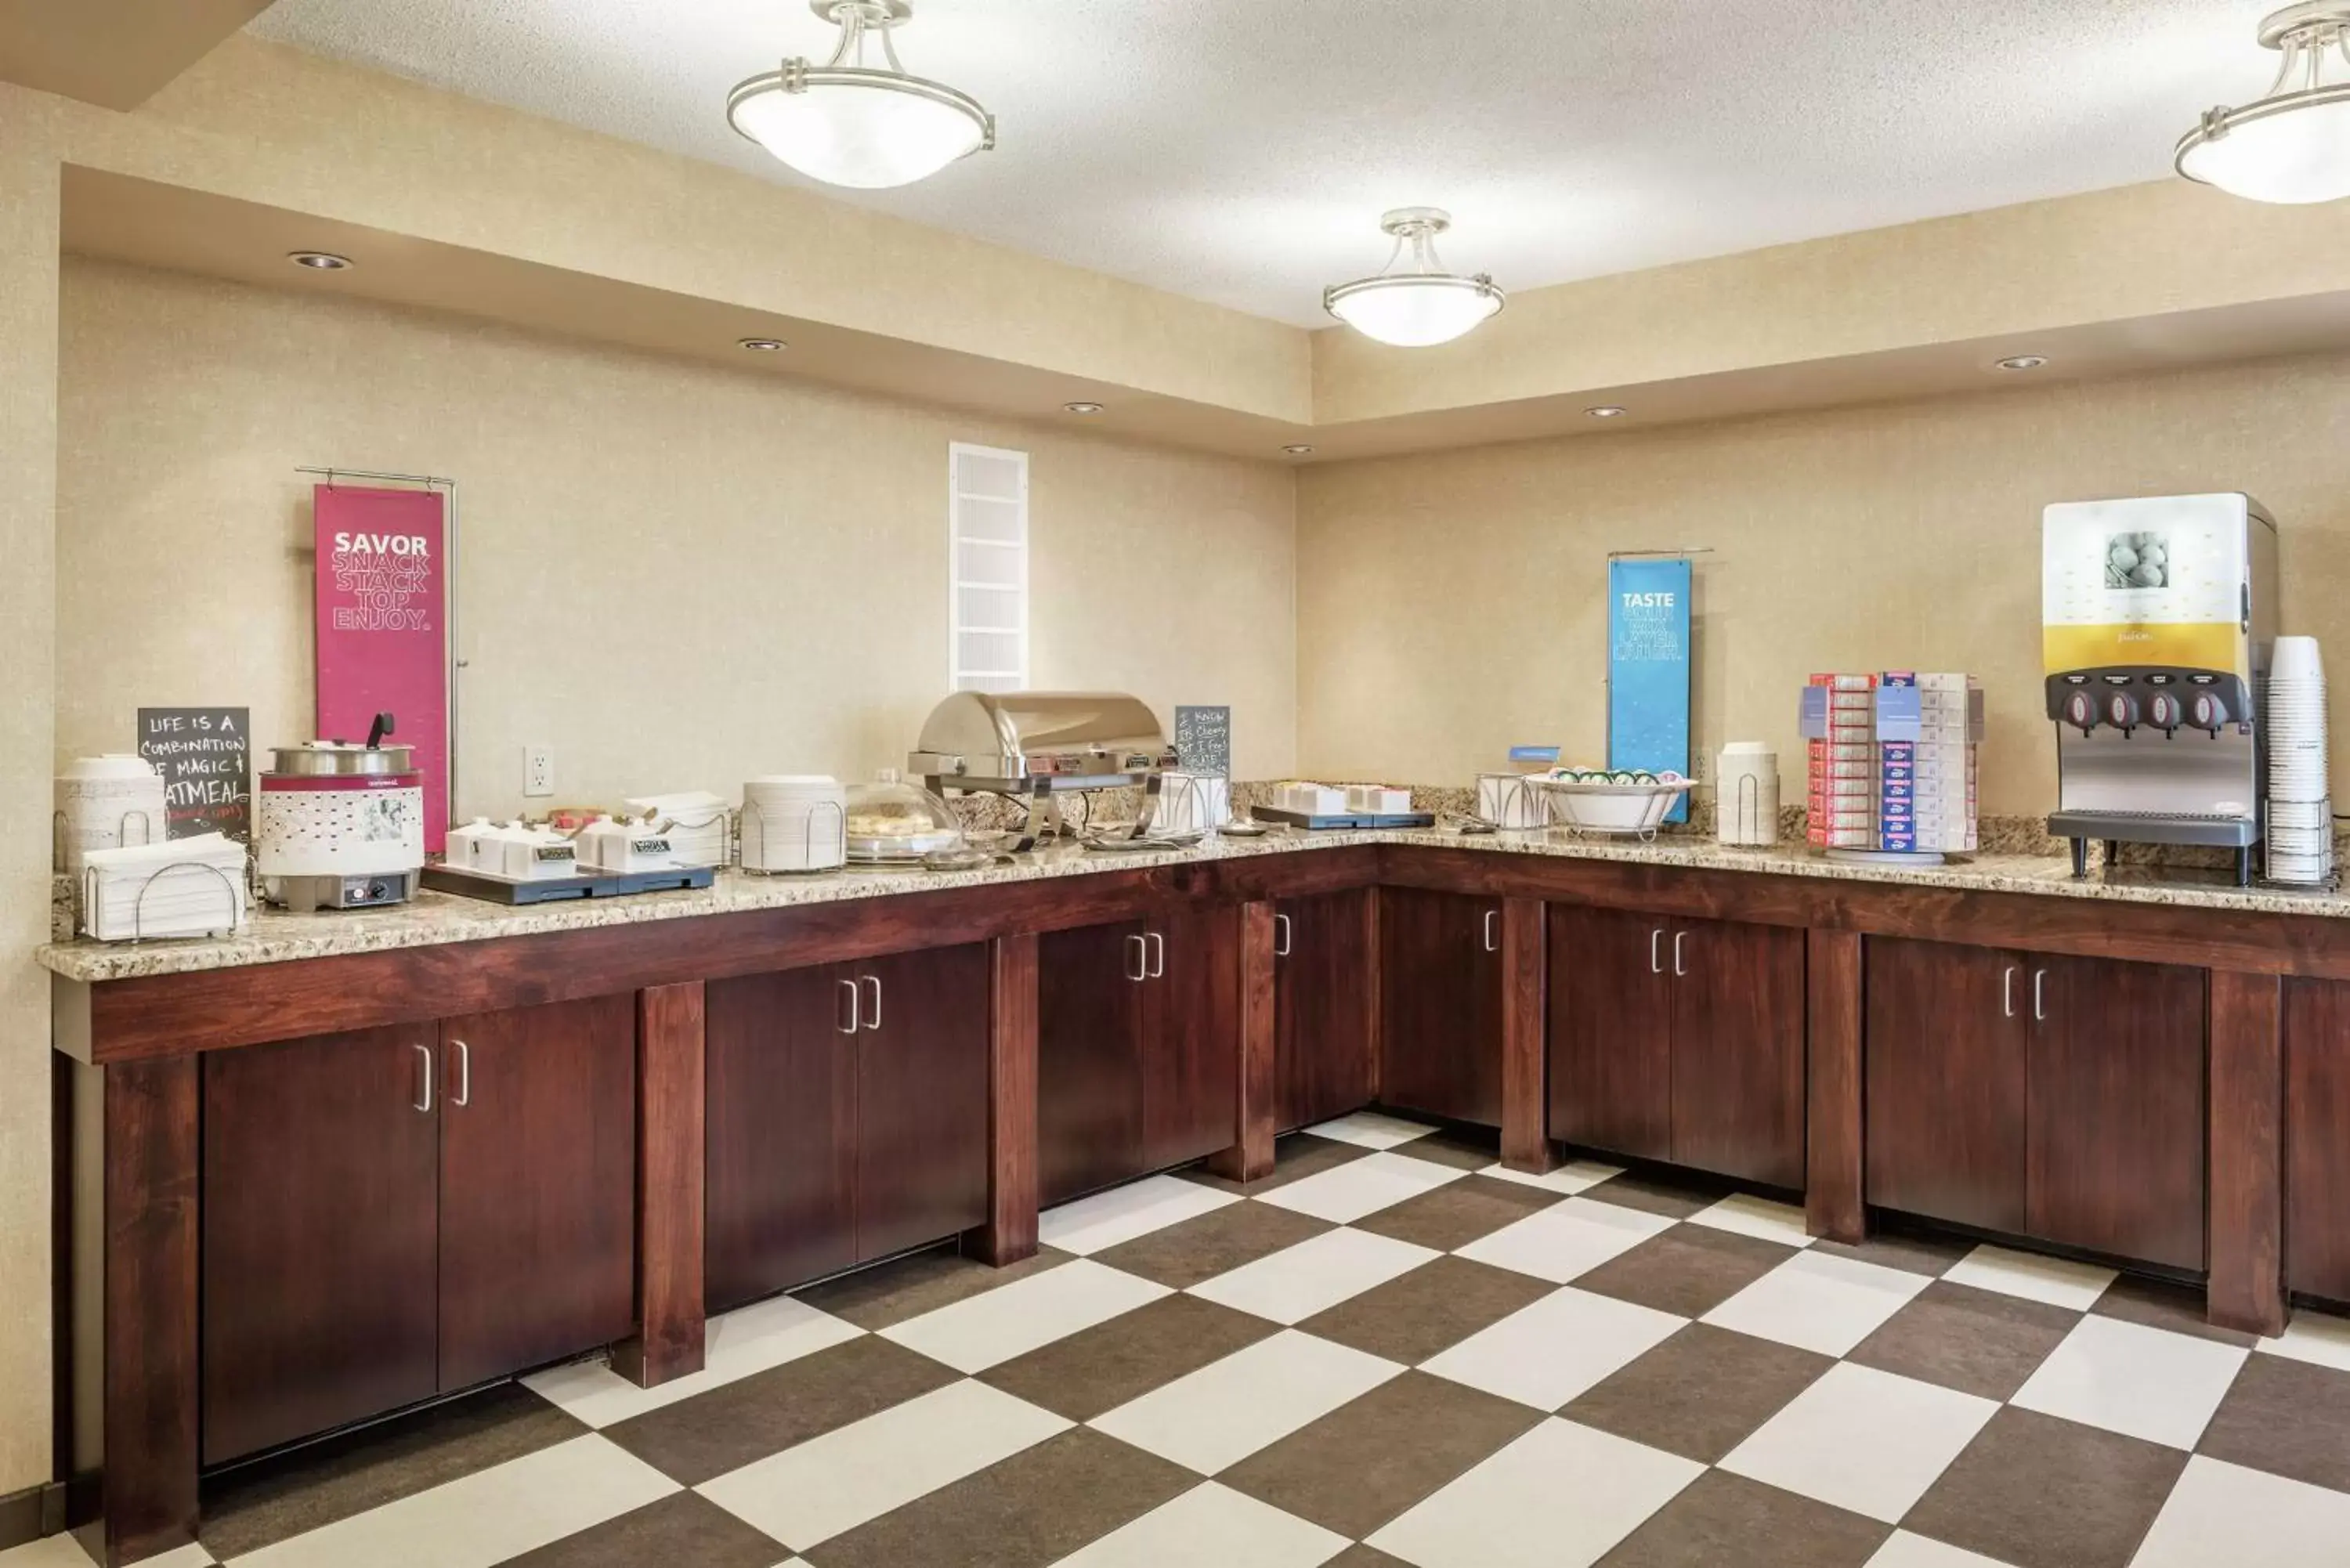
x,y
1021,741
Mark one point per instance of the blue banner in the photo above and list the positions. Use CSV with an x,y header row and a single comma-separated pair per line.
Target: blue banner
x,y
1648,668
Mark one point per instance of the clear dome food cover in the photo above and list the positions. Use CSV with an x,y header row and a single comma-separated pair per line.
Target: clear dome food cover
x,y
892,820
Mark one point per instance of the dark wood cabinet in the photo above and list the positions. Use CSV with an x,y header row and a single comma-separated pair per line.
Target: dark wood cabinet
x,y
2061,1098
1440,1004
321,1162
1322,1003
1946,1034
846,1117
1611,1029
1191,1035
2317,1137
462,1200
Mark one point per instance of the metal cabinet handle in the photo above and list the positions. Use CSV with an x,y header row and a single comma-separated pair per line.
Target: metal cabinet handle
x,y
426,1103
465,1073
2039,1011
1281,936
851,1027
1678,938
1656,957
1492,943
1158,955
1138,951
2007,992
875,1022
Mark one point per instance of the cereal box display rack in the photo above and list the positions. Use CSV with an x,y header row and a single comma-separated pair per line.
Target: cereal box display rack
x,y
1892,763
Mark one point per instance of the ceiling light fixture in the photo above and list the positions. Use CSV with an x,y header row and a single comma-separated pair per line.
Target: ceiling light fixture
x,y
1422,306
1608,411
1299,451
2021,362
1083,408
319,261
760,345
2291,144
847,123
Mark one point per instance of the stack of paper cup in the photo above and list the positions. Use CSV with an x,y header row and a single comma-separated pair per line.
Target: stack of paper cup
x,y
2300,808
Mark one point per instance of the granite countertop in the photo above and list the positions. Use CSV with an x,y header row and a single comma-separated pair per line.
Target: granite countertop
x,y
432,919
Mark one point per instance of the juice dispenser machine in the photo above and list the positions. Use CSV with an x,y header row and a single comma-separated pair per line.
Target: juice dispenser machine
x,y
2157,616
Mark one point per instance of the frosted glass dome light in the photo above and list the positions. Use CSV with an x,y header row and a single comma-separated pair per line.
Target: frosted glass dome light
x,y
846,122
2292,143
1422,305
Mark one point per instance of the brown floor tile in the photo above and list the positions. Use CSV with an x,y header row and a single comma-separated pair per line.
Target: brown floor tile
x,y
1361,1556
1463,1149
1686,1271
770,1411
1206,1245
2042,1492
1980,1342
1295,1157
255,1505
1676,1196
684,1530
1701,1392
1458,1212
1104,1366
889,1293
2158,1303
1723,1518
1930,1255
2288,1418
1033,1509
1368,1460
1430,1309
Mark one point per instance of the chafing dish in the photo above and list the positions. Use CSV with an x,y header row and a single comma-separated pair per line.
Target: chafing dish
x,y
1036,746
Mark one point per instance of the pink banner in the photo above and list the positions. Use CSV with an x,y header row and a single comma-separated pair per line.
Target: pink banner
x,y
383,621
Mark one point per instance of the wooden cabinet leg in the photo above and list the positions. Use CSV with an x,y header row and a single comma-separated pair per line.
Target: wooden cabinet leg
x,y
1525,1045
1010,1233
1251,1158
1834,1205
669,1322
2246,1191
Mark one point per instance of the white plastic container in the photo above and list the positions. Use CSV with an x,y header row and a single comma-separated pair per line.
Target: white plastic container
x,y
1310,799
474,847
536,855
1746,798
622,848
1376,800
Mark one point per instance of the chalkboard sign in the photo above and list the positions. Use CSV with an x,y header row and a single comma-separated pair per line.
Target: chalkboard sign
x,y
205,755
1203,740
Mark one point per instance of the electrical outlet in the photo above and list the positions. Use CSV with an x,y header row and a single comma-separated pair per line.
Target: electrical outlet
x,y
537,769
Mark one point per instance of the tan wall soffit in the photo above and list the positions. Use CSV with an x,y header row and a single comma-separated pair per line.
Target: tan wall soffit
x,y
116,54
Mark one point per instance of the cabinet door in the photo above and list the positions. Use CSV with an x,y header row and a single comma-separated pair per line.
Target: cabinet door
x,y
320,1173
1738,1049
2317,1136
1321,1006
779,1156
1440,1001
922,1098
1945,1037
1611,1023
1191,1033
538,1178
1088,1059
2117,1084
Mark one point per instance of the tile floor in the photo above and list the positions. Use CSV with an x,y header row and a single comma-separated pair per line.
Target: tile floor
x,y
1389,1351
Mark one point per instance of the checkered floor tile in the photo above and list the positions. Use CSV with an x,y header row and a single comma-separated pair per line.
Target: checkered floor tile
x,y
1389,1351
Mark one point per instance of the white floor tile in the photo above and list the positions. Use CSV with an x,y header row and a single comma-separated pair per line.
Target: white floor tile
x,y
1296,1282
1862,1439
65,1552
1545,1353
1566,1239
1575,1176
1122,1213
482,1518
1560,1497
976,1332
2059,1281
1371,1130
1818,1303
749,1339
1229,1410
1211,1526
2225,1514
1345,1193
1749,1216
2143,1382
2313,1336
812,1492
1903,1550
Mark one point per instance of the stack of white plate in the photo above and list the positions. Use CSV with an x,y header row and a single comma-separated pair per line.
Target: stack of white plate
x,y
106,803
2300,808
795,822
183,888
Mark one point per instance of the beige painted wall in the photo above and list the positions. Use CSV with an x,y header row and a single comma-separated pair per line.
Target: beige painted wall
x,y
1450,605
677,575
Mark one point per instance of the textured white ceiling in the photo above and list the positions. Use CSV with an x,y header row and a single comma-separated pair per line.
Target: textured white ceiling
x,y
1241,150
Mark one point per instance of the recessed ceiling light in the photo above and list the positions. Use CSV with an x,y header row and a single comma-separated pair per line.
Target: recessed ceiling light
x,y
1083,408
2023,361
1608,411
760,345
319,261
1300,450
